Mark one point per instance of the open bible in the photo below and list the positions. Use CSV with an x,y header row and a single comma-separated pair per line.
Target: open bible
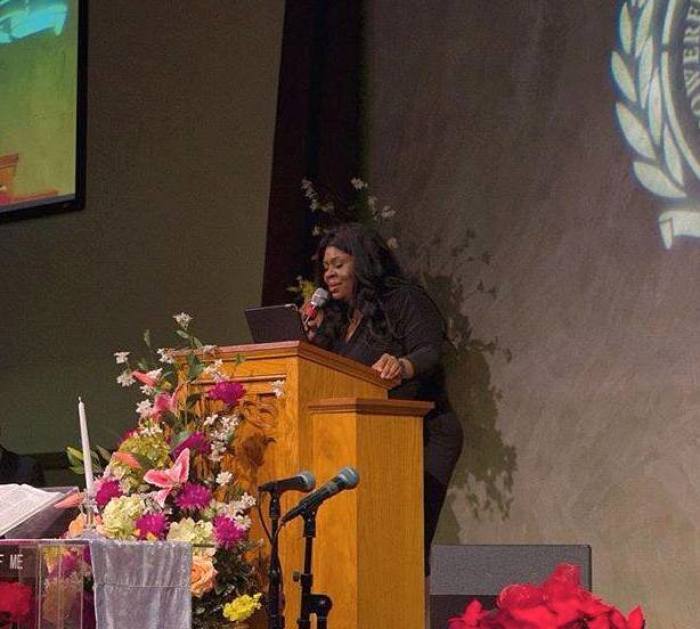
x,y
21,503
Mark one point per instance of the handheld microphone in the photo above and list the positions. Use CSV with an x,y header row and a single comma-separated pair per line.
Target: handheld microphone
x,y
347,478
317,301
303,481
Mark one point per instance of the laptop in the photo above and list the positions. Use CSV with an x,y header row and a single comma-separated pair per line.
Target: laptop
x,y
272,324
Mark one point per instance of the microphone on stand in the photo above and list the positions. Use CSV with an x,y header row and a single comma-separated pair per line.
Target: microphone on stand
x,y
317,301
347,478
303,481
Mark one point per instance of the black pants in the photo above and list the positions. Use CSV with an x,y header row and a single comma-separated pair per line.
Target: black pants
x,y
442,445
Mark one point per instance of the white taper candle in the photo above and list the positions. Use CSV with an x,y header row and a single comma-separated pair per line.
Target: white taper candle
x,y
85,442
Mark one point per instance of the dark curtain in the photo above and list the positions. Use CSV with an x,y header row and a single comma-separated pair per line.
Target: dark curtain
x,y
318,129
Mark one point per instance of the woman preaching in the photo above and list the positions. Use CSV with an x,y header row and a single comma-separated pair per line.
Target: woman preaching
x,y
377,316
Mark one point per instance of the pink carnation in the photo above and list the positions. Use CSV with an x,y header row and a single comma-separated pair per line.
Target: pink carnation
x,y
227,391
227,532
153,525
108,489
197,441
193,496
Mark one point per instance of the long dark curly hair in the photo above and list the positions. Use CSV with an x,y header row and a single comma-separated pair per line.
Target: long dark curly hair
x,y
376,273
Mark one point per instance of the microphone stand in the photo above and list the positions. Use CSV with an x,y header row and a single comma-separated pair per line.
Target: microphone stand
x,y
318,604
275,619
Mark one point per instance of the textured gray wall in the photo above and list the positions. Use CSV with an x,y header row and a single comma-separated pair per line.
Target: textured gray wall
x,y
492,130
182,100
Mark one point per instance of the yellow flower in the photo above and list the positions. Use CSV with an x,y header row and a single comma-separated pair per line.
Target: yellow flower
x,y
242,607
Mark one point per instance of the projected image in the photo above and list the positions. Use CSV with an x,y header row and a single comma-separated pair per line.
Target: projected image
x,y
38,102
656,70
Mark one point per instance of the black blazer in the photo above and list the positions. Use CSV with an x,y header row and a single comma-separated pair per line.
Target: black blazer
x,y
15,468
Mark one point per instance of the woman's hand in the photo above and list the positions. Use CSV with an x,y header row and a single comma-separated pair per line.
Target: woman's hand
x,y
311,324
390,367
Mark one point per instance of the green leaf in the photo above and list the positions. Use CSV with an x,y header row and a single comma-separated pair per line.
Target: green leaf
x,y
196,367
182,334
143,461
147,338
179,438
104,453
192,399
77,469
198,344
75,456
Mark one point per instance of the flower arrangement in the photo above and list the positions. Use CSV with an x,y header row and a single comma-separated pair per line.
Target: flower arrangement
x,y
559,603
172,476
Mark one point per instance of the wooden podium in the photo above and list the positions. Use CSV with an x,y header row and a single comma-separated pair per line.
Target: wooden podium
x,y
368,552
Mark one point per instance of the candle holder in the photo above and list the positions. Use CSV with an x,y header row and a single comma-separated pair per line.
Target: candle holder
x,y
89,510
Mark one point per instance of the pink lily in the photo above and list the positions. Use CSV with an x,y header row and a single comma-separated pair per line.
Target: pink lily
x,y
144,378
171,478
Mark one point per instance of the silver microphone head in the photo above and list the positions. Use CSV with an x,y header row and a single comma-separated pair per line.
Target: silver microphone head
x,y
308,480
319,298
348,478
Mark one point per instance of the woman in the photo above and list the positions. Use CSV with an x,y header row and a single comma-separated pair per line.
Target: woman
x,y
378,317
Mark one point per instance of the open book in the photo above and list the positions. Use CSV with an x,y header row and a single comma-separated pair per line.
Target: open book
x,y
18,503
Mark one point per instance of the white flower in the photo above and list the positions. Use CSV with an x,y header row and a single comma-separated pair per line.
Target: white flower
x,y
166,355
125,378
146,390
121,357
392,243
182,319
357,183
243,521
371,202
278,388
387,212
316,231
243,504
328,207
211,419
314,205
144,407
155,374
224,478
305,184
150,429
209,349
213,370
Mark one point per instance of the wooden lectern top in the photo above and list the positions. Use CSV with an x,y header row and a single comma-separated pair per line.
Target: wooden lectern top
x,y
313,353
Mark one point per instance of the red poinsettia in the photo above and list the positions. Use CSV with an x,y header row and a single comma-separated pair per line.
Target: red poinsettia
x,y
15,602
559,603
